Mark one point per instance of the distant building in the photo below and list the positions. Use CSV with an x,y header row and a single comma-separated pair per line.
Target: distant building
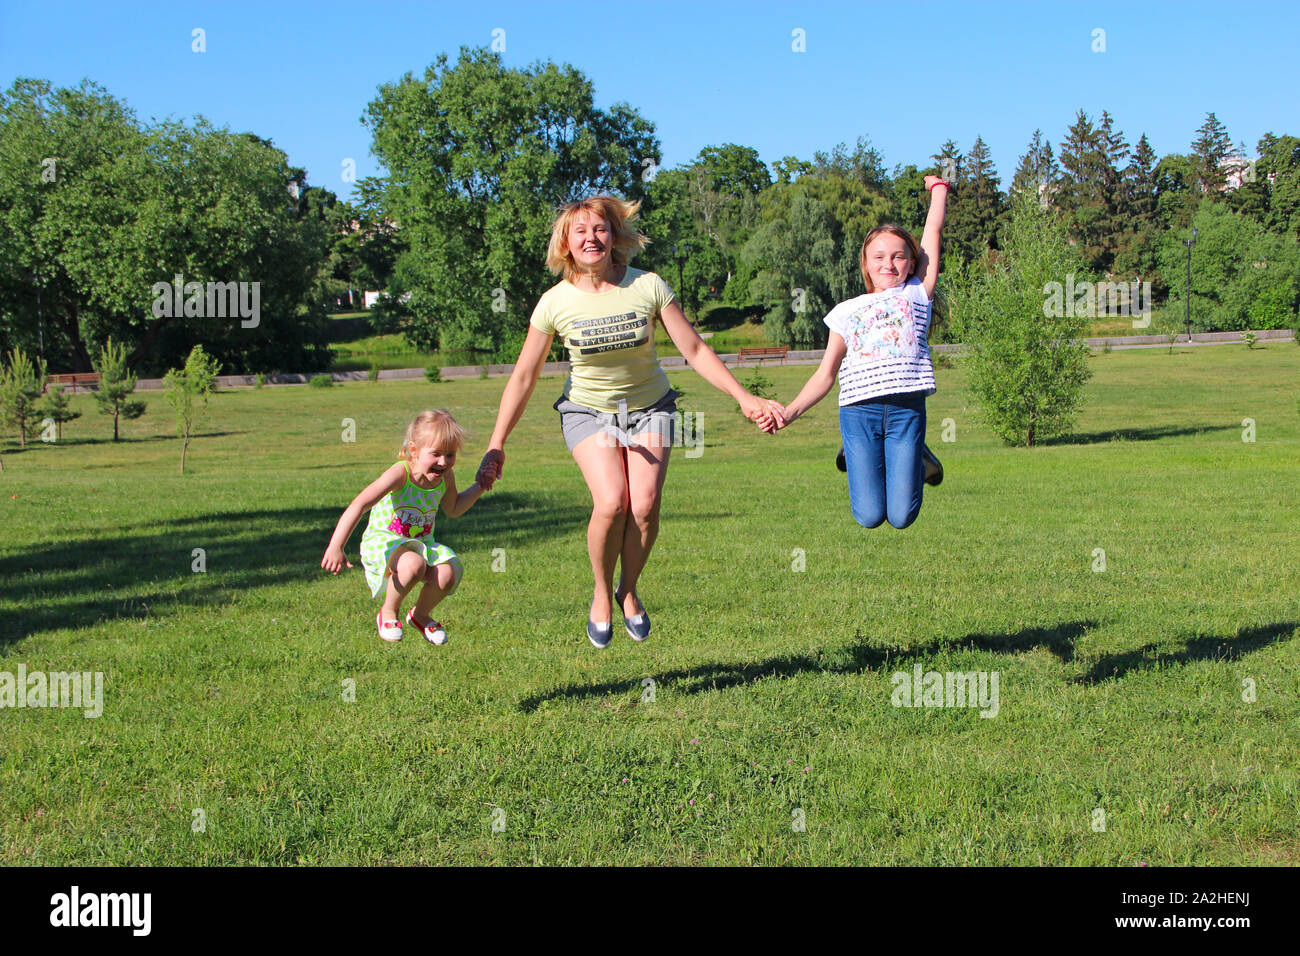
x,y
1236,169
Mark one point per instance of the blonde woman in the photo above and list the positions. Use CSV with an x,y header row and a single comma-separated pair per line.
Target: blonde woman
x,y
617,411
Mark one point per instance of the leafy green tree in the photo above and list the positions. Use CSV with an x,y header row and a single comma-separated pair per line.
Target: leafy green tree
x,y
1177,195
187,392
116,384
101,208
795,258
863,163
1027,369
734,170
56,408
911,199
21,384
478,157
1275,308
790,168
1237,269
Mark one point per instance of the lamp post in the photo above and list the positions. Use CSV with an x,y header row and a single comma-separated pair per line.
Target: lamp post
x,y
1188,316
680,253
40,317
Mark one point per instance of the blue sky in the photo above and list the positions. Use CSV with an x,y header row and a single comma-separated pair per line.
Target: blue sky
x,y
906,75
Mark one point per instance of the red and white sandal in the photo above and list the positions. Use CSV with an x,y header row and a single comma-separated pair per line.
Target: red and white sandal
x,y
390,632
433,632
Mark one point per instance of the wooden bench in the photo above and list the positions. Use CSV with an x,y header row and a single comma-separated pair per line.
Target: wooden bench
x,y
775,351
74,379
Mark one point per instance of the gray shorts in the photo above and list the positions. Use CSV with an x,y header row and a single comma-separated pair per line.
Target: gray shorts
x,y
620,428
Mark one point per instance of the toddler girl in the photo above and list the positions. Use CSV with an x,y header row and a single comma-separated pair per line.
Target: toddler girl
x,y
397,548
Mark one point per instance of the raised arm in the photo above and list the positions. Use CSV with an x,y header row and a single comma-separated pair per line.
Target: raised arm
x,y
389,481
927,269
820,382
513,401
767,414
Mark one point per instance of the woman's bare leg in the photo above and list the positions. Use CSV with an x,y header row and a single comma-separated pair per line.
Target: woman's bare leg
x,y
647,467
602,468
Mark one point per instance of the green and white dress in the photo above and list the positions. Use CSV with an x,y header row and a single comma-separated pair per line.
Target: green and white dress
x,y
402,518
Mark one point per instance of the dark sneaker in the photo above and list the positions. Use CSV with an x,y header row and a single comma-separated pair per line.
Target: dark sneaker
x,y
933,470
839,461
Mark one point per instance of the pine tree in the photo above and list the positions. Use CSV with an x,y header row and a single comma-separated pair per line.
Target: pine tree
x,y
21,384
1083,188
116,383
979,205
1211,147
1038,169
948,163
1135,254
56,408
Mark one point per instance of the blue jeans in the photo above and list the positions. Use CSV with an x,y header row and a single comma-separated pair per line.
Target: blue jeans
x,y
882,450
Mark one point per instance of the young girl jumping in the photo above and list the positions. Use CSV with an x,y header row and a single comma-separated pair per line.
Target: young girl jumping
x,y
878,346
397,546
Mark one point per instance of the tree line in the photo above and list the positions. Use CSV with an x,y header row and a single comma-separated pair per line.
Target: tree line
x,y
99,207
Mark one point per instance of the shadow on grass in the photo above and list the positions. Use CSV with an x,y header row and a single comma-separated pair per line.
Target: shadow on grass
x,y
854,658
1153,433
148,569
1233,648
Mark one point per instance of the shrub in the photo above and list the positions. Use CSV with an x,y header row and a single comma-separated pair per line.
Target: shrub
x,y
433,373
320,381
1027,367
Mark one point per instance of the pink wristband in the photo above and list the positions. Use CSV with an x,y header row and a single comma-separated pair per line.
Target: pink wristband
x,y
942,182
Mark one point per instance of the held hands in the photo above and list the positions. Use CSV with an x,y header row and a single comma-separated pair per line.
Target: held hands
x,y
763,412
491,468
334,560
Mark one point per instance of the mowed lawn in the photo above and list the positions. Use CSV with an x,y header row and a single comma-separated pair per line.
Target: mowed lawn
x,y
1147,712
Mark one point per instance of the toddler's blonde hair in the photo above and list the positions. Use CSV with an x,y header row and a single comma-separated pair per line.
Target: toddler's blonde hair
x,y
433,428
618,213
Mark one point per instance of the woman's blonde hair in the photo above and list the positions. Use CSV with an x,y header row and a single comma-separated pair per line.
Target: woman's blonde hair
x,y
433,428
618,213
889,228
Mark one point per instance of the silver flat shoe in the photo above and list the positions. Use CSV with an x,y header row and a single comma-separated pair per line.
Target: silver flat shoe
x,y
638,626
599,634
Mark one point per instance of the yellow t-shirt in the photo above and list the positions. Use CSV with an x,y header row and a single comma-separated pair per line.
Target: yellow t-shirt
x,y
610,338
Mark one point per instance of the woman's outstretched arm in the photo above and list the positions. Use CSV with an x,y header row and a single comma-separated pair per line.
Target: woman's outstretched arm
x,y
767,414
514,399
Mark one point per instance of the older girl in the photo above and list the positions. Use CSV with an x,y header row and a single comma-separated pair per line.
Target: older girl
x,y
878,348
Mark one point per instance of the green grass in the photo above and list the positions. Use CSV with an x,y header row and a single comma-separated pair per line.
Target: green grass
x,y
1119,690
